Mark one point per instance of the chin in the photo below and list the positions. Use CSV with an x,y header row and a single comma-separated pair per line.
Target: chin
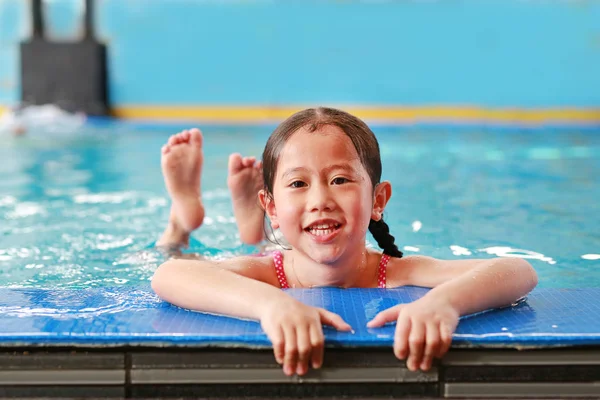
x,y
325,255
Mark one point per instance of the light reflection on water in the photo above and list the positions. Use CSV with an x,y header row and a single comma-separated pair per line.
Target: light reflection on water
x,y
69,304
84,211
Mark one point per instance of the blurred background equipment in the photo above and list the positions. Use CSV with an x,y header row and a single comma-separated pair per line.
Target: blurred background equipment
x,y
70,75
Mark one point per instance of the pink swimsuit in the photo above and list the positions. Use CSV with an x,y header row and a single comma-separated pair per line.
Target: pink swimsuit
x,y
278,259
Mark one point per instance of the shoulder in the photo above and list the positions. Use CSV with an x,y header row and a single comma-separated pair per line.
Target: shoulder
x,y
426,271
400,271
412,261
258,267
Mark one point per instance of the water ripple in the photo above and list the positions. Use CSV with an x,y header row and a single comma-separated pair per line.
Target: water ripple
x,y
84,212
61,306
504,251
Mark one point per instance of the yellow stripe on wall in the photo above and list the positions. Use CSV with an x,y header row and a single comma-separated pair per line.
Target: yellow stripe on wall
x,y
401,115
398,115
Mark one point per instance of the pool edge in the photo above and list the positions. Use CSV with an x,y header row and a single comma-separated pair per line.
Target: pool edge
x,y
364,373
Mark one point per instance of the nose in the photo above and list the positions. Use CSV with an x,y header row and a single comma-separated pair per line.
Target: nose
x,y
320,198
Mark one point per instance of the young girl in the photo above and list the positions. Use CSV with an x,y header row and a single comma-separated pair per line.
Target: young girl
x,y
322,189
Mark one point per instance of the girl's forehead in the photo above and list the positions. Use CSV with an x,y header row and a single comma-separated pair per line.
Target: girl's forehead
x,y
327,139
326,146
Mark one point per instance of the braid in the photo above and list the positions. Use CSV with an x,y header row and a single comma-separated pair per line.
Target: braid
x,y
381,233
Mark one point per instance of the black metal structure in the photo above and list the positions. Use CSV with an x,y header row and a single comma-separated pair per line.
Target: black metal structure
x,y
71,75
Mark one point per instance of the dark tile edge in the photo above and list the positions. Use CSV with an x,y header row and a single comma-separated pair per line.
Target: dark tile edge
x,y
463,373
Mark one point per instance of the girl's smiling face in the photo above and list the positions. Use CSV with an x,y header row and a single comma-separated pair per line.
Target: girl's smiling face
x,y
322,195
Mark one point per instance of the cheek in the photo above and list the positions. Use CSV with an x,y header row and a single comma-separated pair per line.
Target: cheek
x,y
287,208
360,204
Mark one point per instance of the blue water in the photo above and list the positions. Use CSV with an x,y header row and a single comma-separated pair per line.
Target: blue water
x,y
83,210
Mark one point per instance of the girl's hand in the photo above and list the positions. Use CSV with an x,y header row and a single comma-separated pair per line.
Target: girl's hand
x,y
297,335
424,330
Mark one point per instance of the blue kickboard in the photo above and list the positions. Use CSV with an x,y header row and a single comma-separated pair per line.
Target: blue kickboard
x,y
135,316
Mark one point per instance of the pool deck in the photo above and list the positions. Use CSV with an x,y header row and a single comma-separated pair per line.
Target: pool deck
x,y
126,343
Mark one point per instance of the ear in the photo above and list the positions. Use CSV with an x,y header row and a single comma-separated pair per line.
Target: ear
x,y
383,192
267,203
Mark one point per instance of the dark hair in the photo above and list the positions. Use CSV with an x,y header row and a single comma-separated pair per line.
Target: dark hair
x,y
362,138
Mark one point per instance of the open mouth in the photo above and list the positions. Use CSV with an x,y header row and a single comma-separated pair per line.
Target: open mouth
x,y
323,228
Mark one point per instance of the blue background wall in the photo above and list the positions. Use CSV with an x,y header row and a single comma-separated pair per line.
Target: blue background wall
x,y
495,53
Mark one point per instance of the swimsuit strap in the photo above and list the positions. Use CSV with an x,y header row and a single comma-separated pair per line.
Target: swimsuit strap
x,y
278,260
381,275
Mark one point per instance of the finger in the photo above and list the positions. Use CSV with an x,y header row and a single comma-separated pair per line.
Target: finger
x,y
389,315
331,319
278,341
445,339
401,337
291,351
416,342
317,342
432,345
304,349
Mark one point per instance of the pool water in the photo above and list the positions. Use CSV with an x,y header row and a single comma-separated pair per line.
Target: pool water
x,y
83,210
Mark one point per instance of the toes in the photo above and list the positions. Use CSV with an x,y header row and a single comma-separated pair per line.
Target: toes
x,y
184,136
235,163
248,161
181,137
172,140
195,136
165,149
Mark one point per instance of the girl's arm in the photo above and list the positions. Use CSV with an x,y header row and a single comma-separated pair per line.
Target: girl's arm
x,y
424,328
473,285
236,287
244,287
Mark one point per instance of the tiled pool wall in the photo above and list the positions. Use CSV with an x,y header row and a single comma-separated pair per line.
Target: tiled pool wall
x,y
502,54
347,373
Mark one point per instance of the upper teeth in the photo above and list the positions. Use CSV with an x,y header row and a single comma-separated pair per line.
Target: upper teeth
x,y
323,226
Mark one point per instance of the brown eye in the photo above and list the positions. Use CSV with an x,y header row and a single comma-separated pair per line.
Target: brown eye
x,y
297,184
339,181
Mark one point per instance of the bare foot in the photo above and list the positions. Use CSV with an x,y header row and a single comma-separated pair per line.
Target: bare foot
x,y
245,180
181,162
